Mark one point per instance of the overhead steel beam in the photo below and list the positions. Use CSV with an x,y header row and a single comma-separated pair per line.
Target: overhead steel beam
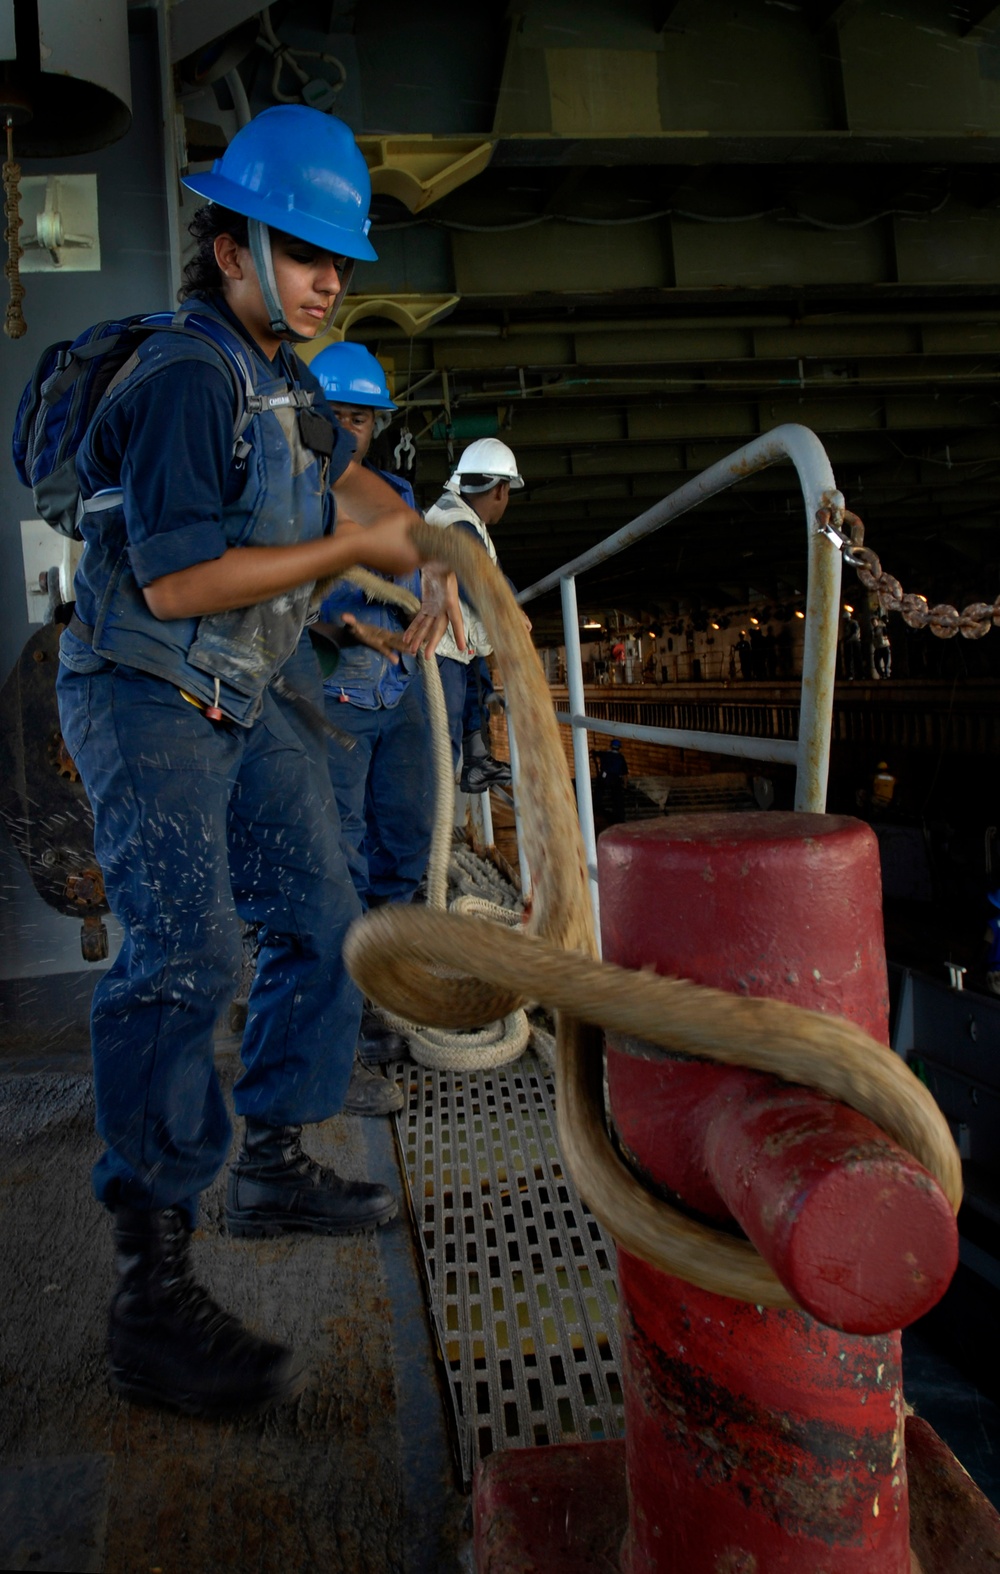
x,y
831,13
193,23
805,322
715,419
975,14
749,146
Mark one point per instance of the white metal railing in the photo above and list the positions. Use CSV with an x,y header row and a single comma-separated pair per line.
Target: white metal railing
x,y
811,752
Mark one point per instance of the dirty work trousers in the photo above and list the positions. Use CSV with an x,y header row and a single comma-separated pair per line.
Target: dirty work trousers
x,y
384,789
467,686
194,822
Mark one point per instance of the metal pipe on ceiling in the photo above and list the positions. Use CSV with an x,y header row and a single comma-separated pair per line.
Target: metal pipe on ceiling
x,y
730,385
451,330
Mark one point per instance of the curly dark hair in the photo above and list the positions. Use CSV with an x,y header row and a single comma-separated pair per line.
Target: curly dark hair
x,y
201,275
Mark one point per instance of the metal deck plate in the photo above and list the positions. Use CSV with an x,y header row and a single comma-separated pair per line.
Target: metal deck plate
x,y
521,1277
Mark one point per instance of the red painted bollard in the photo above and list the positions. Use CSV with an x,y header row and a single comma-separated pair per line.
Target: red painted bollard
x,y
765,1440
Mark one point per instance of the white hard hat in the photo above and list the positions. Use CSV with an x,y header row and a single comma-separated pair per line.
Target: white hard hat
x,y
489,457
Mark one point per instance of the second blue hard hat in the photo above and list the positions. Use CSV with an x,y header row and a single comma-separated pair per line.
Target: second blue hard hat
x,y
299,171
350,374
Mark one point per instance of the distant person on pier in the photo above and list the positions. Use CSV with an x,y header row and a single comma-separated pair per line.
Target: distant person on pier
x,y
883,788
612,777
882,648
851,651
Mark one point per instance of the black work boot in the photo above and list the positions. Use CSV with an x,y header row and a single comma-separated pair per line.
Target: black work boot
x,y
480,771
275,1188
370,1094
378,1042
168,1342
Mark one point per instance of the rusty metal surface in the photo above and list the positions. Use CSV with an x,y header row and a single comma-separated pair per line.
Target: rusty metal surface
x,y
559,1511
565,1510
953,1526
521,1277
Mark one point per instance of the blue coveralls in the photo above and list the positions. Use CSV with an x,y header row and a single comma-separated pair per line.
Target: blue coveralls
x,y
384,786
192,815
467,687
612,771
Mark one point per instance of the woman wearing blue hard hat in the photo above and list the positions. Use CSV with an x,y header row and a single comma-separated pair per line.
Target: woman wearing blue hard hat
x,y
384,786
189,700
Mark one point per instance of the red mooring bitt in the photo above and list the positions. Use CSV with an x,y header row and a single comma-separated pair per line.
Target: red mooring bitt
x,y
757,1442
764,1440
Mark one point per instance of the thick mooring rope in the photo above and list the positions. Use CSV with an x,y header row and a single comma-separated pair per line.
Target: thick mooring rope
x,y
462,972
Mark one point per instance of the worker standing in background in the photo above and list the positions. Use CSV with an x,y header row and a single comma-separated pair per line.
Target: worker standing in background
x,y
852,654
883,788
882,650
185,687
384,786
612,776
475,498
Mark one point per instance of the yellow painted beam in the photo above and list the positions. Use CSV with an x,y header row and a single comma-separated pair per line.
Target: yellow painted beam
x,y
419,170
411,313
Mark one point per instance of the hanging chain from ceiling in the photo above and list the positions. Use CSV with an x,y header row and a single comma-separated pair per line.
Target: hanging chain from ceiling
x,y
944,620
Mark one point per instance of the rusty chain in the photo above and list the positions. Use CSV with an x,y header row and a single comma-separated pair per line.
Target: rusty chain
x,y
943,620
14,324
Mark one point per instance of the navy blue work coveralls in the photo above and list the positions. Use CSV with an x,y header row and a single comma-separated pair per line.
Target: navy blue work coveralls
x,y
384,786
194,817
612,774
467,688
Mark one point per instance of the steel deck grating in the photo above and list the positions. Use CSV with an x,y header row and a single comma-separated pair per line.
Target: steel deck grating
x,y
521,1277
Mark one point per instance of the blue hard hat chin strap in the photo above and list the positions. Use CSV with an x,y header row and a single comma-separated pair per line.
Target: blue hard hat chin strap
x,y
263,261
345,274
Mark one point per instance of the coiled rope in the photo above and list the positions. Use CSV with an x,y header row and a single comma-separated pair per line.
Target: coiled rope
x,y
461,971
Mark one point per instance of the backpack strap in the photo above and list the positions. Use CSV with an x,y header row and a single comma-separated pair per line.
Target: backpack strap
x,y
68,364
235,361
227,350
249,402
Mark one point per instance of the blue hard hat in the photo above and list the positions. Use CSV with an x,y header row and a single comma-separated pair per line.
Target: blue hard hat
x,y
616,743
350,374
299,171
